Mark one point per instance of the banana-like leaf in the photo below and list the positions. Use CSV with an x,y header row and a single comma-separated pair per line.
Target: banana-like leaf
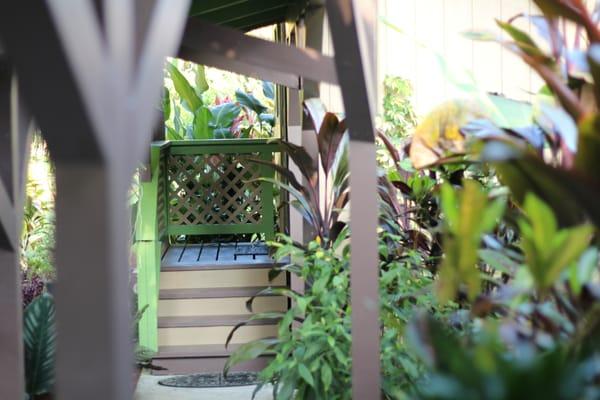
x,y
202,128
166,104
201,83
248,100
39,334
269,90
185,91
224,114
316,111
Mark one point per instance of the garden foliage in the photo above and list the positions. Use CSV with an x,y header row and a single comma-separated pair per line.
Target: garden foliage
x,y
489,267
197,111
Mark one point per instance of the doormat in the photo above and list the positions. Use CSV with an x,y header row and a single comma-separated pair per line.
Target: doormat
x,y
211,380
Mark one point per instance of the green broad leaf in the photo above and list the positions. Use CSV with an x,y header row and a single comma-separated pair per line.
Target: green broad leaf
x,y
268,90
166,104
498,260
522,40
267,118
567,251
171,134
326,375
468,216
492,214
186,92
224,114
202,129
39,335
542,220
201,83
248,100
306,375
177,124
449,205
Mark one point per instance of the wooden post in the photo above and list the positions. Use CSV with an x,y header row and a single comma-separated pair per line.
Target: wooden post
x,y
90,72
352,23
15,130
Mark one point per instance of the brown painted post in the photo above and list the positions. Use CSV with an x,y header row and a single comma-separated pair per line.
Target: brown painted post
x,y
352,23
95,103
14,133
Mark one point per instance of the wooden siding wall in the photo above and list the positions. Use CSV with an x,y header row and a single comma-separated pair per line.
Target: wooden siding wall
x,y
435,26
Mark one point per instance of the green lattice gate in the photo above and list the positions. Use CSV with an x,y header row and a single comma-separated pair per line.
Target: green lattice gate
x,y
198,188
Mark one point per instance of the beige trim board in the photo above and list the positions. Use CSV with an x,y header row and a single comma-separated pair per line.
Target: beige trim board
x,y
218,279
210,307
212,335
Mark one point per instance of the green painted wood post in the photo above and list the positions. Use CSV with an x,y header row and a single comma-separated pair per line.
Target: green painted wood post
x,y
148,247
268,212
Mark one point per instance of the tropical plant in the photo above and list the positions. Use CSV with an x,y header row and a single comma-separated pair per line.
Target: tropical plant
x,y
399,117
39,335
321,199
567,111
482,367
218,118
37,236
312,360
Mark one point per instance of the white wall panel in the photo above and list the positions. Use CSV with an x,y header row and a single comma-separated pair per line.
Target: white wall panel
x,y
436,26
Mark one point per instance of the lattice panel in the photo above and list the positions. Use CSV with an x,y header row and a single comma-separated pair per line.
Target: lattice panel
x,y
161,195
213,189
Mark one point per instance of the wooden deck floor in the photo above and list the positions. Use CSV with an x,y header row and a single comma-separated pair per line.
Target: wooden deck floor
x,y
220,255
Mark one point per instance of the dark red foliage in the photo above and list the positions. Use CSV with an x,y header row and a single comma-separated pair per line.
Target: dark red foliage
x,y
32,287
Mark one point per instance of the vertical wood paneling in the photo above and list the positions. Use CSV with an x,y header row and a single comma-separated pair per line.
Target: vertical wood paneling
x,y
430,83
487,57
400,51
516,77
330,94
458,17
438,25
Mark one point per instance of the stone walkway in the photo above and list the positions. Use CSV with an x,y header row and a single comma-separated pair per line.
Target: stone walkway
x,y
149,389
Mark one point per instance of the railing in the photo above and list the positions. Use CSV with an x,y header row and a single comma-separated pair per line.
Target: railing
x,y
206,187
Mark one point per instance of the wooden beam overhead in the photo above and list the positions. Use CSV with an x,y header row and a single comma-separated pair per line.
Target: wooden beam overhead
x,y
219,61
230,49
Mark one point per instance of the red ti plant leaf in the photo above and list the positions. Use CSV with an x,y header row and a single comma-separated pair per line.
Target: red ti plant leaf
x,y
316,111
329,138
574,10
